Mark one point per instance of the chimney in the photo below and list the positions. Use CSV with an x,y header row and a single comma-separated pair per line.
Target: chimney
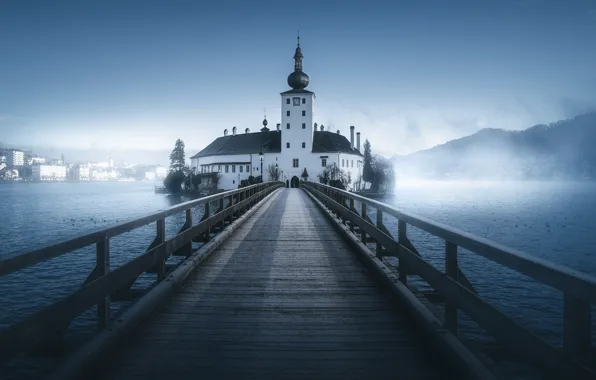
x,y
225,132
322,127
358,141
278,126
338,131
316,126
352,136
234,131
247,130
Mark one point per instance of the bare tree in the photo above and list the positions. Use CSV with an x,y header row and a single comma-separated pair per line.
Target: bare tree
x,y
273,172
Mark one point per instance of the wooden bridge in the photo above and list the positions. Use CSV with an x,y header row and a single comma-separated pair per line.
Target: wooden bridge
x,y
293,283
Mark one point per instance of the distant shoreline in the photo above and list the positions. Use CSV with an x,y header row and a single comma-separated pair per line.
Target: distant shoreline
x,y
4,182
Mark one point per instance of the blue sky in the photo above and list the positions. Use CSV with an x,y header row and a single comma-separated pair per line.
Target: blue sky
x,y
409,75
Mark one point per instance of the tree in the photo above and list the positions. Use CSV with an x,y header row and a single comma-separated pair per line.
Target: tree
x,y
273,172
383,177
332,175
367,170
178,158
173,181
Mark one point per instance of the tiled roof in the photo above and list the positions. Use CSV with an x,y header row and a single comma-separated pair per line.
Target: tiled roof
x,y
325,141
270,142
244,143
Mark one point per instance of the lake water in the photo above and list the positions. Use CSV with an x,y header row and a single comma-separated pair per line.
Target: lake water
x,y
554,221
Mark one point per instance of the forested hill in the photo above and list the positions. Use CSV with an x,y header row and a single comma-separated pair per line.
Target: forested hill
x,y
562,150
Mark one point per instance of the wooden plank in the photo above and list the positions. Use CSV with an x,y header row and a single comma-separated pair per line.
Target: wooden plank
x,y
245,304
451,266
518,339
577,335
102,268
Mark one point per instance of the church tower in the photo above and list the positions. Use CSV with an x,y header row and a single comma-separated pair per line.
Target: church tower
x,y
297,108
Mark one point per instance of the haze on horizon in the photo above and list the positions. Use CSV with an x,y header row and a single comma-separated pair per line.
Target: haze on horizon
x,y
137,75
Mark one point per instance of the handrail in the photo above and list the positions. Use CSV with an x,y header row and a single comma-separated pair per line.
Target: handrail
x,y
563,278
579,290
104,283
19,260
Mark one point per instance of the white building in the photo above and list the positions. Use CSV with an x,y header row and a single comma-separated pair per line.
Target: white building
x,y
294,146
48,172
15,158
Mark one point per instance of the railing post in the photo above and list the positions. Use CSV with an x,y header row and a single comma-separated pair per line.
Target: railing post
x,y
102,250
451,270
577,338
230,206
222,224
205,217
363,215
351,210
379,226
188,213
160,239
401,238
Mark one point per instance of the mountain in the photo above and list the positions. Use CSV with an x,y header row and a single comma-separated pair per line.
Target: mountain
x,y
562,150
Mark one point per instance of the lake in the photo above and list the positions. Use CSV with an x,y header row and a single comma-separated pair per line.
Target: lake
x,y
554,221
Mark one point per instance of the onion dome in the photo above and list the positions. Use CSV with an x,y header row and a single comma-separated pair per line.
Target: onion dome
x,y
298,80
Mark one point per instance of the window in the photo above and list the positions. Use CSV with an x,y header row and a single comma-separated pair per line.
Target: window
x,y
304,145
303,113
241,168
233,168
352,163
227,168
323,162
303,100
287,145
288,126
303,125
342,162
295,163
219,168
233,182
287,113
247,168
288,101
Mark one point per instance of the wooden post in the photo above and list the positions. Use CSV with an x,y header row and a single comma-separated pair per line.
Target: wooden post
x,y
352,210
222,224
577,338
451,270
206,216
189,224
379,226
401,238
363,216
102,265
160,239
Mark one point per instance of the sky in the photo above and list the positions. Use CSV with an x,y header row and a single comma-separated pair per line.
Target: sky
x,y
408,75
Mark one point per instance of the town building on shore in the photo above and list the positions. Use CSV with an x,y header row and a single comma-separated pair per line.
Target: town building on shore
x,y
44,172
296,148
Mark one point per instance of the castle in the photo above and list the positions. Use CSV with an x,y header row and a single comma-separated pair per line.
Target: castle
x,y
295,148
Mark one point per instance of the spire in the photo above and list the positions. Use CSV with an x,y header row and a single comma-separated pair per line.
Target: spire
x,y
298,56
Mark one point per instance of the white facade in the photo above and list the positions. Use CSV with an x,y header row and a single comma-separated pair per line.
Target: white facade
x,y
15,157
49,172
296,151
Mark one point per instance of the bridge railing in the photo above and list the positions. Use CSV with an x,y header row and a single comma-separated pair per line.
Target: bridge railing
x,y
579,290
102,283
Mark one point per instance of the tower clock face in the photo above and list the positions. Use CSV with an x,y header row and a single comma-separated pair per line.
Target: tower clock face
x,y
296,101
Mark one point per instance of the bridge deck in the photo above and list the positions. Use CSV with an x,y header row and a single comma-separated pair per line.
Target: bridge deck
x,y
283,297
